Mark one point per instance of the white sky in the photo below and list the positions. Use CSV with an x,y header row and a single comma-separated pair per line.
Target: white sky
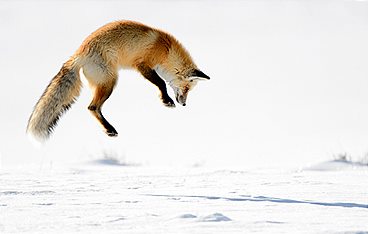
x,y
288,82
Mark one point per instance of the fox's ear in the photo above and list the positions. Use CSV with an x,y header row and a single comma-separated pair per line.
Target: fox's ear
x,y
197,73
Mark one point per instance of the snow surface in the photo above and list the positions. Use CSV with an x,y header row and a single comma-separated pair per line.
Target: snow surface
x,y
106,198
288,90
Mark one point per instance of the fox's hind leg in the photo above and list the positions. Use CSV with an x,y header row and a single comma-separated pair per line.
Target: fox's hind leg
x,y
102,82
101,94
155,79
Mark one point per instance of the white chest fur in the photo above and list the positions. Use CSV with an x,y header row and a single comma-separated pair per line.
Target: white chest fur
x,y
164,74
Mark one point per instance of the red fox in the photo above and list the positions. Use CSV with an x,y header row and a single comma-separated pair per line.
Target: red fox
x,y
157,55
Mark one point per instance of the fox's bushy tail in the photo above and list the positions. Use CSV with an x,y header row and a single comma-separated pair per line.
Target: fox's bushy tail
x,y
58,97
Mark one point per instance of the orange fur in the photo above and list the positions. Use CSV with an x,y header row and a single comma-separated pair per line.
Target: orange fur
x,y
120,44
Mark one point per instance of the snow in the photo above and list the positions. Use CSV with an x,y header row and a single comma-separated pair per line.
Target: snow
x,y
121,199
337,164
250,153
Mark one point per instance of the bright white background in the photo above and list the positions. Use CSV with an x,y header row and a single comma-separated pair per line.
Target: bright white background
x,y
288,83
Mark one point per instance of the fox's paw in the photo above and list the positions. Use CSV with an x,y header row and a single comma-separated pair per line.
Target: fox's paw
x,y
111,132
168,102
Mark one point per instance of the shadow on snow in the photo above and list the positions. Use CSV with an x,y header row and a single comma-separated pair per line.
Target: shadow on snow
x,y
245,198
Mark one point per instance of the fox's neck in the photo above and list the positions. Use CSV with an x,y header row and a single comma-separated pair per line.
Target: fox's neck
x,y
164,73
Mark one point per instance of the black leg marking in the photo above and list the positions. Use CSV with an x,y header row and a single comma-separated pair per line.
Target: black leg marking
x,y
155,79
92,108
109,129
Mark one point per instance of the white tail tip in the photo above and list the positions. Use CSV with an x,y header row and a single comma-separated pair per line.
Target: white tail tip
x,y
36,140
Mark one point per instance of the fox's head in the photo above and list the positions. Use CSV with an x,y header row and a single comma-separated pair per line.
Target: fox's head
x,y
179,71
181,81
182,84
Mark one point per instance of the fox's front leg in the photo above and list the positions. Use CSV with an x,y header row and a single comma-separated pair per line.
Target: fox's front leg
x,y
155,79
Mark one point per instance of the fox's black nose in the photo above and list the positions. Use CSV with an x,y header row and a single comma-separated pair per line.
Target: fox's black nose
x,y
184,104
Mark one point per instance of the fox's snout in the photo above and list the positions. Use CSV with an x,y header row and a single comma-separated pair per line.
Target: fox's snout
x,y
181,99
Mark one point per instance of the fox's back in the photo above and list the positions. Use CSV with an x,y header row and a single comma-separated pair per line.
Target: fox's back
x,y
122,42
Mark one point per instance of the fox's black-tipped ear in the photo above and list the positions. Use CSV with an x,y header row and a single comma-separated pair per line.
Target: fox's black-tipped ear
x,y
198,73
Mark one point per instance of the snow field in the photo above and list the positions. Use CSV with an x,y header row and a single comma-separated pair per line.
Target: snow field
x,y
110,199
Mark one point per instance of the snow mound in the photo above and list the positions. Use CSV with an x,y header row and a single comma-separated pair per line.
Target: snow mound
x,y
108,162
216,217
187,216
111,161
358,232
336,165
